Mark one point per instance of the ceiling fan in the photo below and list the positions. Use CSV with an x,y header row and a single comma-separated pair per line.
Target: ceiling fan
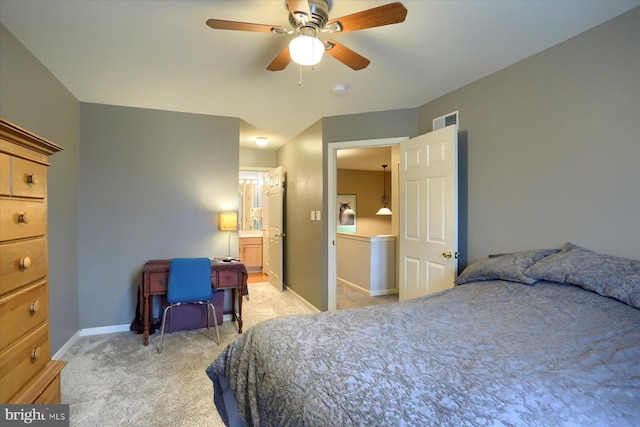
x,y
309,18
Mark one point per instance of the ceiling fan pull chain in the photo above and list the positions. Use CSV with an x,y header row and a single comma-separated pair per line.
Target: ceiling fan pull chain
x,y
300,82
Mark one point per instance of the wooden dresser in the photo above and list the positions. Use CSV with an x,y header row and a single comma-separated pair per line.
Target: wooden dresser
x,y
27,373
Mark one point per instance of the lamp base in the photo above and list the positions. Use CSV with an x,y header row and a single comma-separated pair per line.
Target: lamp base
x,y
227,259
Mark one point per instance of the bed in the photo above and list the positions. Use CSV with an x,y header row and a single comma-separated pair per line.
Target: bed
x,y
536,338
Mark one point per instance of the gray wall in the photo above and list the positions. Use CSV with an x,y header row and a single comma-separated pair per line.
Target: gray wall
x,y
151,186
554,146
32,98
301,160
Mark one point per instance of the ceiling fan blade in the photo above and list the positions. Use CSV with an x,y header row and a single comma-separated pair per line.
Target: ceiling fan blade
x,y
281,61
300,6
220,24
392,13
345,55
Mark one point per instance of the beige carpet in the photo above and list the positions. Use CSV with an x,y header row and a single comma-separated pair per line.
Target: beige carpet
x,y
347,297
113,380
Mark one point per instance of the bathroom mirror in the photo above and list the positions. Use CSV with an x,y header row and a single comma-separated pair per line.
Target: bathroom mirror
x,y
250,200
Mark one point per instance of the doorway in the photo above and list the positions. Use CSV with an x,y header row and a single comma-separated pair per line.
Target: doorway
x,y
251,220
331,205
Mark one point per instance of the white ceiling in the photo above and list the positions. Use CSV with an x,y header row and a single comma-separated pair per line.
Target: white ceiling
x,y
161,55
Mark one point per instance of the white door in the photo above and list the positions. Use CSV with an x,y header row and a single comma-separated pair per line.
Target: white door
x,y
428,226
275,204
265,222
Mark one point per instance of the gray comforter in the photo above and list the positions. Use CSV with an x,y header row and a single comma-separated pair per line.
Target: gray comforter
x,y
490,353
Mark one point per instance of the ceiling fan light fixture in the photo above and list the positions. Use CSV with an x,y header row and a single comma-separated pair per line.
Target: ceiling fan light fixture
x,y
306,50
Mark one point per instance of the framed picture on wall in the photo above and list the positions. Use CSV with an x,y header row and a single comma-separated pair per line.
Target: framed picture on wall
x,y
346,213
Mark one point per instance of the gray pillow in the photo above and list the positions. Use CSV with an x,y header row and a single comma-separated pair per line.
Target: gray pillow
x,y
508,267
606,275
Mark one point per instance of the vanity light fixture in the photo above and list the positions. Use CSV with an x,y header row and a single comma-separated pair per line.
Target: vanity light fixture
x,y
384,210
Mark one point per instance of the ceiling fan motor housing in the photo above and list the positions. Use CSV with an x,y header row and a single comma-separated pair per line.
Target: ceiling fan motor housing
x,y
319,16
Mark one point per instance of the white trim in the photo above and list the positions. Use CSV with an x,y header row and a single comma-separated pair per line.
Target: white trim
x,y
333,147
353,286
103,330
304,301
365,291
383,292
70,342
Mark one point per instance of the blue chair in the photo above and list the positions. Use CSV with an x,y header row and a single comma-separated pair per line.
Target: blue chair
x,y
189,283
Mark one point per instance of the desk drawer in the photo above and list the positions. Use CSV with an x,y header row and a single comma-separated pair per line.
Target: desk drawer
x,y
21,362
22,311
158,283
22,218
21,263
228,279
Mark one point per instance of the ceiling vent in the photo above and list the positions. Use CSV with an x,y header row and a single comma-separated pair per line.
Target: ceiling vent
x,y
446,120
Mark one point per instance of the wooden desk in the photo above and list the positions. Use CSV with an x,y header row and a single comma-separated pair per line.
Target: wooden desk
x,y
224,275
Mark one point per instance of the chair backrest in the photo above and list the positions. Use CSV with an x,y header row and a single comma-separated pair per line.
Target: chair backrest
x,y
189,280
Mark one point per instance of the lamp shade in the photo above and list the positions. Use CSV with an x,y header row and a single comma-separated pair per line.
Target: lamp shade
x,y
228,221
384,211
306,50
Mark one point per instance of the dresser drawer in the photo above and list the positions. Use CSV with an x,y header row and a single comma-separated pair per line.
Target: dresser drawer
x,y
21,263
22,218
22,311
5,174
20,362
158,283
28,179
51,394
227,279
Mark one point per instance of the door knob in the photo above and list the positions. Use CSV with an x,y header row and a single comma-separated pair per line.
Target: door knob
x,y
450,254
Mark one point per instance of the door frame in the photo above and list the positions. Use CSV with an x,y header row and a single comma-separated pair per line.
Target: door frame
x,y
332,191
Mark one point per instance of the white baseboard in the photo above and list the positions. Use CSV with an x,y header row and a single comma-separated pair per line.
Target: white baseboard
x,y
362,290
66,346
352,286
101,331
383,292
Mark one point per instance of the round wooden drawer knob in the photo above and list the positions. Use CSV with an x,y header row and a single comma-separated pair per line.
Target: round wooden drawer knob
x,y
35,353
34,307
24,218
32,179
25,263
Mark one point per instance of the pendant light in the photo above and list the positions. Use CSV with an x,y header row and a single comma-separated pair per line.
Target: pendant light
x,y
384,210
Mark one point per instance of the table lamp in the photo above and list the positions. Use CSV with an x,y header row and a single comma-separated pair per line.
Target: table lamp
x,y
228,221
